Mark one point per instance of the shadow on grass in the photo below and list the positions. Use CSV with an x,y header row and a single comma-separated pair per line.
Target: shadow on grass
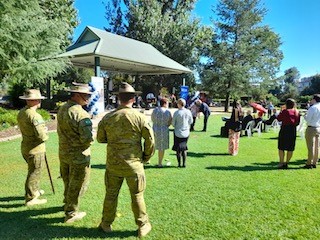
x,y
10,202
150,166
217,136
13,198
247,168
259,167
34,224
201,155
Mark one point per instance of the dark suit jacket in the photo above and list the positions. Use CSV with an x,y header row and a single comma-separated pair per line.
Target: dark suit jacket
x,y
245,121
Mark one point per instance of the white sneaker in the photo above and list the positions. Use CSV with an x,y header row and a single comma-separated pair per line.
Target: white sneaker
x,y
76,217
36,201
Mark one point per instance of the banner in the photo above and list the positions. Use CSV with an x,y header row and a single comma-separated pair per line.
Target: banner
x,y
96,104
184,91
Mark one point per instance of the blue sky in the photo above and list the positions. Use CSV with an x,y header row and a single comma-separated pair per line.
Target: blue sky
x,y
297,22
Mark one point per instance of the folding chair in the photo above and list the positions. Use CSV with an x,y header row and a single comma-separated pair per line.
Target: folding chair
x,y
301,128
275,125
258,128
248,128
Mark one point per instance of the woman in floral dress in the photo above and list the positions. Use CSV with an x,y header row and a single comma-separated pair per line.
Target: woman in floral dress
x,y
161,118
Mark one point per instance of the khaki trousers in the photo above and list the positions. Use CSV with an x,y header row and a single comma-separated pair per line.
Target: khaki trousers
x,y
312,136
137,185
76,179
32,184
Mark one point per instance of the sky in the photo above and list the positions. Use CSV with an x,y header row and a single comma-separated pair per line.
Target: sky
x,y
297,22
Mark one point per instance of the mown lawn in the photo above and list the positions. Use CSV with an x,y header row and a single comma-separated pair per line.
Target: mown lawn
x,y
216,197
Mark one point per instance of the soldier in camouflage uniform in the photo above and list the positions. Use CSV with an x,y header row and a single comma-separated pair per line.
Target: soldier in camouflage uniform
x,y
33,149
123,130
75,137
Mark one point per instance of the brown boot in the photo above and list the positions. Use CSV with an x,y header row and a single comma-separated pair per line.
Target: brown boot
x,y
104,227
75,217
144,230
36,201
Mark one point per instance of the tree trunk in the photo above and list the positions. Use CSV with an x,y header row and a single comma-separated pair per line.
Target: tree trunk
x,y
48,88
226,105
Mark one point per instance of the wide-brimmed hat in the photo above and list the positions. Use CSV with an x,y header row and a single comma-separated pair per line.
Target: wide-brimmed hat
x,y
126,88
79,88
32,94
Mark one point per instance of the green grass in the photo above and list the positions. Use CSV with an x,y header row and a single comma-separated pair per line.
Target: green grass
x,y
216,197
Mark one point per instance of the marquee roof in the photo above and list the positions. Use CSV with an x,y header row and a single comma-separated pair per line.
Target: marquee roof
x,y
120,54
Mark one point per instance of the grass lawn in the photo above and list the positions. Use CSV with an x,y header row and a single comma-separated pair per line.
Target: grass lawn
x,y
216,197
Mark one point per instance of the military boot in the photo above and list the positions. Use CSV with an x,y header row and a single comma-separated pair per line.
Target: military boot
x,y
36,201
104,227
75,217
39,193
144,230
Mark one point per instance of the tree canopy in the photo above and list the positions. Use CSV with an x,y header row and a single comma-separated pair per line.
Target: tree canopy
x,y
167,25
32,31
243,50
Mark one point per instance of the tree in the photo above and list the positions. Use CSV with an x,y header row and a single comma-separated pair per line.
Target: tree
x,y
168,26
243,51
291,76
31,33
314,87
290,79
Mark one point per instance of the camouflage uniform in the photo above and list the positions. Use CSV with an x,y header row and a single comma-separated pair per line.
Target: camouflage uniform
x,y
75,137
123,129
34,134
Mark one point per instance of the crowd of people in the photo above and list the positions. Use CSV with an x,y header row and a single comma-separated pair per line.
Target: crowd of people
x,y
288,118
131,142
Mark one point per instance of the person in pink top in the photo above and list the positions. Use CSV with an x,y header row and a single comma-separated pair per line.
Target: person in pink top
x,y
289,118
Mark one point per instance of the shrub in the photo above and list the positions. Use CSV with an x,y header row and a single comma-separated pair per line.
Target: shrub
x,y
45,114
8,118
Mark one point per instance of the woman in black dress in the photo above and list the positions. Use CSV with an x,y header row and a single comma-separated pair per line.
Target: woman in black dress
x,y
289,118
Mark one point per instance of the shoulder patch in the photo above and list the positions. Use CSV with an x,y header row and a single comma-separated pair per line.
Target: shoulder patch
x,y
87,122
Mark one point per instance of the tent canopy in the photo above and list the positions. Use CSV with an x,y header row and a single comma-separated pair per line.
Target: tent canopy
x,y
120,54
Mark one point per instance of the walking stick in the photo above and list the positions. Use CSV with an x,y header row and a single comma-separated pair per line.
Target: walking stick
x,y
52,187
316,150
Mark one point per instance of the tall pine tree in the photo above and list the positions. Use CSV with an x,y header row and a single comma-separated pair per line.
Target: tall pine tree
x,y
243,50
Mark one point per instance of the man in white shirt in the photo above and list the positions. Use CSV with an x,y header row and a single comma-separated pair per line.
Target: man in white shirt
x,y
313,131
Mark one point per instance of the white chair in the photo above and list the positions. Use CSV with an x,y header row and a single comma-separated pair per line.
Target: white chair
x,y
301,128
248,128
275,125
258,128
